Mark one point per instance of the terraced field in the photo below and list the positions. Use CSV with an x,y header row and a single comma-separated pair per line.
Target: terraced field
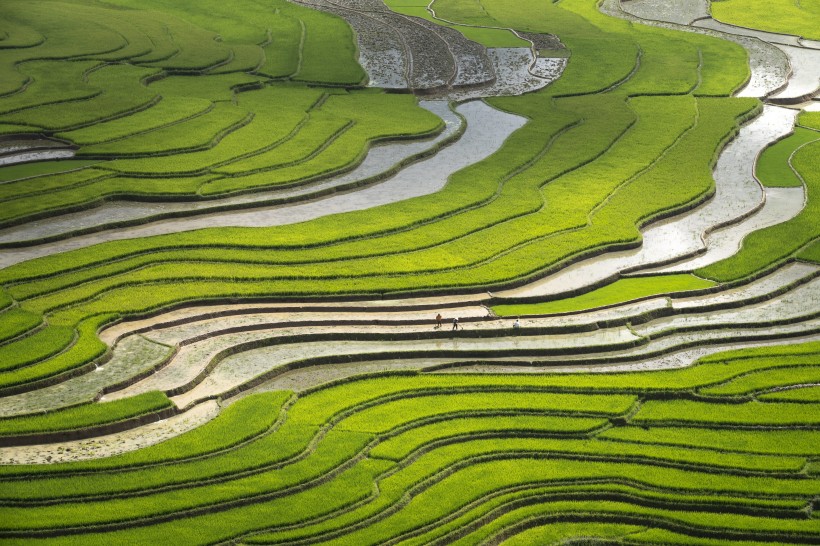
x,y
227,228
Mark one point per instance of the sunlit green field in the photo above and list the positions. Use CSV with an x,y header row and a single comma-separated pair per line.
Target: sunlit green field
x,y
196,100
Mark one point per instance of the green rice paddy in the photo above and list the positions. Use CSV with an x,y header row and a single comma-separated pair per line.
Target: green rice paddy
x,y
196,100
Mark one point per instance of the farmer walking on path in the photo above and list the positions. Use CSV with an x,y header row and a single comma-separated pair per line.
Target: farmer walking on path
x,y
455,323
438,321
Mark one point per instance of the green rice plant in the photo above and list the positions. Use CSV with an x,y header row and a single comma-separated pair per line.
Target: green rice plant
x,y
498,244
351,486
620,291
722,70
311,136
168,111
490,268
85,415
337,448
477,467
234,24
15,321
505,497
86,348
765,379
669,65
73,32
596,449
48,182
9,173
283,52
663,536
198,48
773,442
722,527
31,349
317,149
773,168
120,93
811,253
500,503
398,446
277,450
246,58
558,532
213,87
276,112
328,50
392,414
95,187
780,16
197,133
748,413
475,478
53,82
6,301
809,393
18,35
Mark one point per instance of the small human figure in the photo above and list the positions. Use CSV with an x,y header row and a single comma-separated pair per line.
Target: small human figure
x,y
516,324
455,323
438,321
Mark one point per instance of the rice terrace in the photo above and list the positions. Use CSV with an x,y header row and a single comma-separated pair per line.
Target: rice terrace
x,y
410,272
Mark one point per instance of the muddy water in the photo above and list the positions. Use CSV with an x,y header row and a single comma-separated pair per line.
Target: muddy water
x,y
514,74
781,204
486,131
39,155
737,193
681,12
27,149
805,78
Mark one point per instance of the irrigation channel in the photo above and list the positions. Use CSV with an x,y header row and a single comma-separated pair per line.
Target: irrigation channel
x,y
206,357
